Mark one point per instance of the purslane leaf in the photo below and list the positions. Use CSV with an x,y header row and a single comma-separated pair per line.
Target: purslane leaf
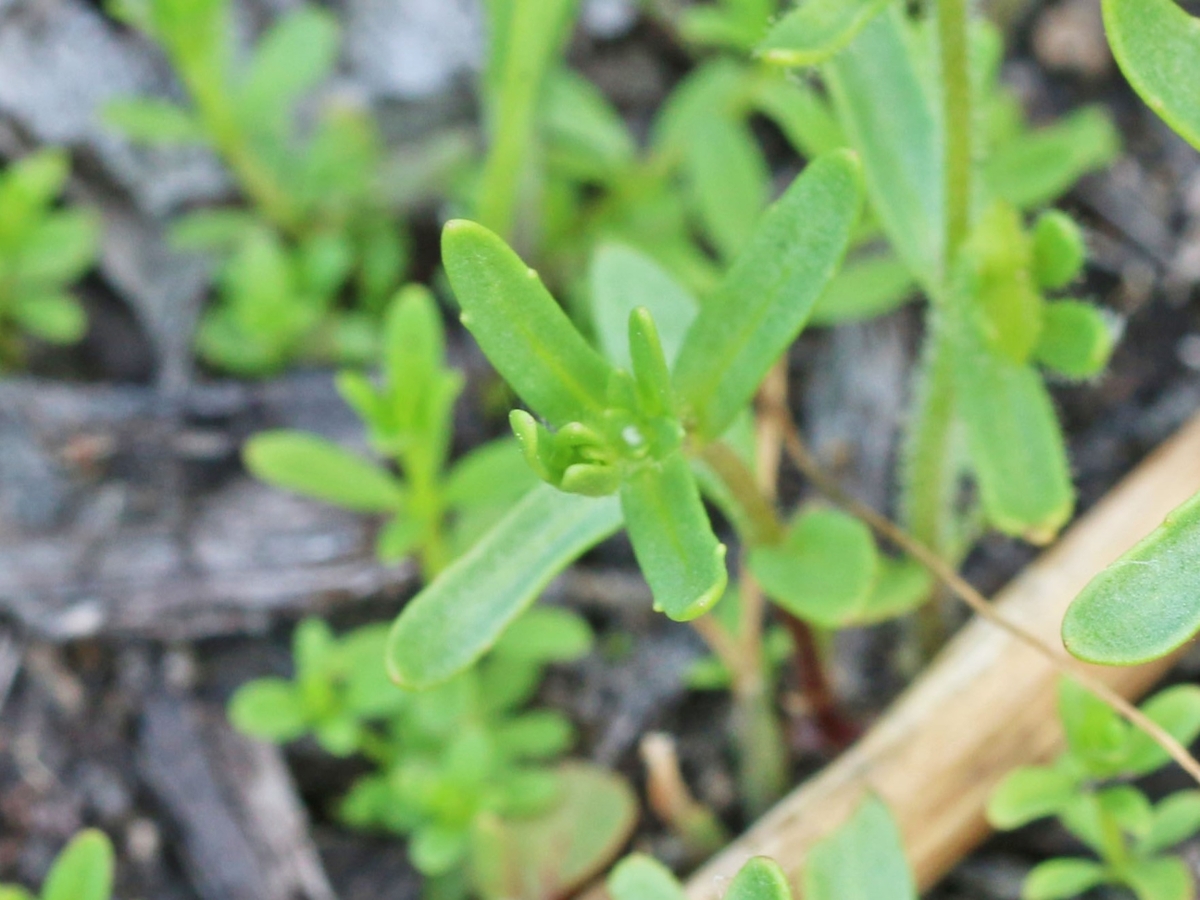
x,y
759,879
312,466
1176,819
641,877
672,537
1177,711
816,30
154,122
1029,793
1157,45
1058,879
728,179
459,617
293,57
1077,339
766,298
1145,605
83,871
863,289
523,331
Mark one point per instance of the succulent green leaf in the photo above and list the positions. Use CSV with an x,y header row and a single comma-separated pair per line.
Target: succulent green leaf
x,y
59,250
312,466
863,289
816,30
803,115
900,587
211,229
823,570
459,617
679,555
652,375
1077,339
541,734
862,860
767,296
623,279
1157,45
640,877
14,892
269,708
492,475
83,871
1177,711
1176,819
1002,291
1029,793
154,122
729,181
1059,251
55,317
564,847
1037,168
1060,879
438,849
876,84
1015,443
586,136
1145,605
524,333
293,57
546,634
759,879
1162,878
1096,735
1128,807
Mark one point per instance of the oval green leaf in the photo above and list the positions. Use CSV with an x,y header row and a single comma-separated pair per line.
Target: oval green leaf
x,y
862,860
1145,605
83,871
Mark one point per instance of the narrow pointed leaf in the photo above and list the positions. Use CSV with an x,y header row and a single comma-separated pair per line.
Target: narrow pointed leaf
x,y
673,540
312,466
524,333
768,294
890,120
1145,605
862,860
1058,879
652,376
1157,45
459,617
729,180
816,30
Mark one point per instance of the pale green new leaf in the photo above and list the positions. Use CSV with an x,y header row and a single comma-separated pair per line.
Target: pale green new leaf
x,y
268,708
1145,605
623,279
1177,711
154,122
862,860
640,877
679,555
864,289
83,871
1157,45
294,56
459,617
1163,878
759,879
1059,879
525,334
1027,794
318,468
816,30
56,317
1176,819
1015,442
823,570
767,296
877,88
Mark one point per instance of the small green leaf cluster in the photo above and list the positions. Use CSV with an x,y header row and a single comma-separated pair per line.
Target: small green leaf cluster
x,y
82,871
864,859
316,232
455,766
1087,789
435,510
43,251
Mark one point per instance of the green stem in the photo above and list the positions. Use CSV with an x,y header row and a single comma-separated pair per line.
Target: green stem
x,y
755,518
760,745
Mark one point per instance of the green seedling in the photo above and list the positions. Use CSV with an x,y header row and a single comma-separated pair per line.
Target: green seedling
x,y
316,231
1087,789
465,771
1146,605
82,871
863,859
435,510
43,251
